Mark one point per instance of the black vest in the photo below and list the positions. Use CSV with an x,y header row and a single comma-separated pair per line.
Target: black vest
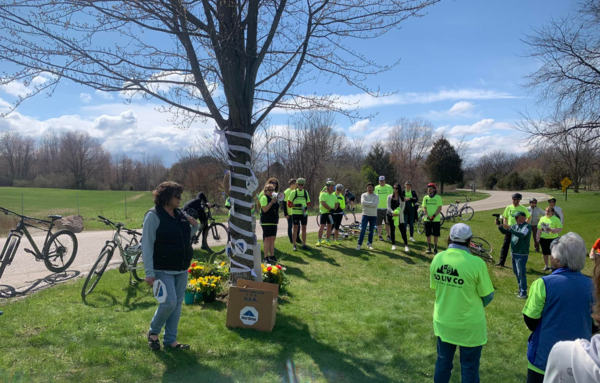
x,y
172,247
272,215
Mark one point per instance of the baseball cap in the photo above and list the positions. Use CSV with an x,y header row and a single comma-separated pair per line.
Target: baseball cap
x,y
408,183
460,232
381,178
552,199
518,213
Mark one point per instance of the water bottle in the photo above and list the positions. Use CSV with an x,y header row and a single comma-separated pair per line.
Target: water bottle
x,y
330,218
305,211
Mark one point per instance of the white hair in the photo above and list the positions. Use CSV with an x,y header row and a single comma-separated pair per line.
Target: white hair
x,y
570,251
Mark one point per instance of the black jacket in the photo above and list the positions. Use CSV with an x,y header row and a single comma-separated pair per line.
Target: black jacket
x,y
410,203
272,215
172,247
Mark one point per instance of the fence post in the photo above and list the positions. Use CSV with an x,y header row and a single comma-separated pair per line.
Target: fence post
x,y
125,205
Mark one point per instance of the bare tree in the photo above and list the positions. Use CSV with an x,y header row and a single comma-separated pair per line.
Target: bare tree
x,y
48,152
82,155
256,53
409,143
18,152
568,80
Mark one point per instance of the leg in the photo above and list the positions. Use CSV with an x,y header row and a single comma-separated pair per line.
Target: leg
x,y
534,377
304,234
515,271
372,223
504,250
320,235
379,221
387,229
170,338
522,273
534,230
290,230
402,228
329,231
363,229
164,310
546,260
272,246
469,364
392,231
443,364
296,233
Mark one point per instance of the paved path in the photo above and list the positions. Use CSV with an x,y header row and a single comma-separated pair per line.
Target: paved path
x,y
25,274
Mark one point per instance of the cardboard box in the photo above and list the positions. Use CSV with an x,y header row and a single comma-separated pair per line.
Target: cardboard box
x,y
252,305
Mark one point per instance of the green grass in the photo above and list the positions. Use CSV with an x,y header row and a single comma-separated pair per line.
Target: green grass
x,y
450,197
89,203
349,317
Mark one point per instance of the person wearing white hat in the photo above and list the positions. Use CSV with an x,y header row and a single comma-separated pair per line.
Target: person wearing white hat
x,y
462,289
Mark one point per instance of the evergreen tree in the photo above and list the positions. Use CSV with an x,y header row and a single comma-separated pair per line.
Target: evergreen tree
x,y
444,165
378,160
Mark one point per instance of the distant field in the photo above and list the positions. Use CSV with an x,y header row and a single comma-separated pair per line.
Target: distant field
x,y
119,206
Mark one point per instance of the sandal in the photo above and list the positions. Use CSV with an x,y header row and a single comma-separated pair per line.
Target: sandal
x,y
153,344
179,346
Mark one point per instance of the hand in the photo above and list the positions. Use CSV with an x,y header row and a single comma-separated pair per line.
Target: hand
x,y
346,217
207,204
506,226
191,220
150,281
287,217
431,218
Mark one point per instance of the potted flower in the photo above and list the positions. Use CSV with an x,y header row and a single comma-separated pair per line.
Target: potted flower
x,y
190,292
209,286
275,274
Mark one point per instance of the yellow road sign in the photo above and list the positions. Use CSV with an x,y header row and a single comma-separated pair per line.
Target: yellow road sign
x,y
566,182
564,189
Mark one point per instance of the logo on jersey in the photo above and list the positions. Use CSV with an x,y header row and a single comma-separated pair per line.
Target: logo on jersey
x,y
448,275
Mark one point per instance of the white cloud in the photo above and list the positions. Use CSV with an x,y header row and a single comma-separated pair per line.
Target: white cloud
x,y
360,126
19,89
484,126
85,97
104,95
481,145
461,108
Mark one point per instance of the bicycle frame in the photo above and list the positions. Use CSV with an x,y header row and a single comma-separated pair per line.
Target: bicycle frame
x,y
115,244
21,230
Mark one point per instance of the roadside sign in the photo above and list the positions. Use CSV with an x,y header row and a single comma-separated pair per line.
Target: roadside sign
x,y
566,182
564,189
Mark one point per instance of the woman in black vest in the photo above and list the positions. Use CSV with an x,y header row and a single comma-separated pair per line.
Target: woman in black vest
x,y
269,218
167,252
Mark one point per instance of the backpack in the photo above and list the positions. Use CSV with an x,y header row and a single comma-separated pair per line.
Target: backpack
x,y
296,196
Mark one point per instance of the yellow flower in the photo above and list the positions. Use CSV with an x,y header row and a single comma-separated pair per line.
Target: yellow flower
x,y
222,264
193,282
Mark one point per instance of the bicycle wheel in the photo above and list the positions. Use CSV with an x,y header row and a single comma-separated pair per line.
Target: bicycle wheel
x,y
318,217
466,213
442,219
60,250
138,271
10,248
482,248
218,236
96,272
452,210
420,225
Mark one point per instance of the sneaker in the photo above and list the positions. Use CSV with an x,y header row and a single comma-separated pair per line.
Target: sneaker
x,y
336,243
357,247
318,244
388,238
304,247
499,265
546,268
393,248
406,249
272,259
295,248
380,238
435,250
522,296
428,251
369,246
412,239
328,243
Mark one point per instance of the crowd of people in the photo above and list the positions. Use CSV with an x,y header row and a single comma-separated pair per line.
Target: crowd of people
x,y
560,307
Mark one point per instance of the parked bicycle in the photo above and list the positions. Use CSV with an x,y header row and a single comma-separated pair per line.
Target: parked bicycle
x,y
347,213
481,248
59,248
131,255
423,217
350,231
217,233
465,212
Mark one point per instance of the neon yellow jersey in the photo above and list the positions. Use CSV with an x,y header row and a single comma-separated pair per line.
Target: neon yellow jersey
x,y
341,199
432,204
535,306
460,280
397,217
329,199
407,194
287,192
298,197
510,209
552,223
383,192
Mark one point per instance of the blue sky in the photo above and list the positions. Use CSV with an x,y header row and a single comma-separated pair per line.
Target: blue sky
x,y
461,67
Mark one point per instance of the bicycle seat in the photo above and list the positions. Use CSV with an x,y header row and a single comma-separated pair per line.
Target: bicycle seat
x,y
53,217
457,201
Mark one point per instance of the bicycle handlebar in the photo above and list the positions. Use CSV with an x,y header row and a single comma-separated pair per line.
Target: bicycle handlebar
x,y
7,212
119,226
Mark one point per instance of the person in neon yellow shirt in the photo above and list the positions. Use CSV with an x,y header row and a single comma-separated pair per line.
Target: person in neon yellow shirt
x,y
432,207
510,220
327,204
269,218
287,213
338,212
298,201
383,190
548,228
462,289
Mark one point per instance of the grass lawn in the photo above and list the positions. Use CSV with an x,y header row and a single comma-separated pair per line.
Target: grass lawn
x,y
450,197
110,204
349,317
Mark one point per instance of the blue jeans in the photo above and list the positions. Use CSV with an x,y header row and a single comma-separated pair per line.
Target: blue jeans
x,y
410,222
518,264
469,362
168,313
372,221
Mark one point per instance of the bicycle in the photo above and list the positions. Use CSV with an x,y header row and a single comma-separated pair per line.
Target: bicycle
x,y
347,212
465,213
216,232
423,217
481,248
59,248
351,230
131,256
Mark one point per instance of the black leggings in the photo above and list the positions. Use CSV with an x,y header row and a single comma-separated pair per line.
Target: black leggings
x,y
402,228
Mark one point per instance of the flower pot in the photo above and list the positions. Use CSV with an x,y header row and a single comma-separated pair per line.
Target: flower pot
x,y
198,297
209,297
189,298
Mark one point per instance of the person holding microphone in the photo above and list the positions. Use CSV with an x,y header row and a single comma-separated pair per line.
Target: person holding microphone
x,y
269,218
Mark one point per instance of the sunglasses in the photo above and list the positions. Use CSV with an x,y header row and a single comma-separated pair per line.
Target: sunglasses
x,y
178,196
396,188
270,189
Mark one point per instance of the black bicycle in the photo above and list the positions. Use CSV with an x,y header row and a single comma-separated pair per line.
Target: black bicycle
x,y
58,252
131,255
217,235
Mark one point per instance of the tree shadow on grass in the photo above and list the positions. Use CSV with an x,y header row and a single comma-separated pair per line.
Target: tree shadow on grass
x,y
295,336
296,272
136,297
295,258
184,366
318,255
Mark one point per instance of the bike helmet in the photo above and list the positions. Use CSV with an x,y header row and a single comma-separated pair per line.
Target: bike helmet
x,y
330,183
408,183
431,185
517,196
532,200
300,181
339,186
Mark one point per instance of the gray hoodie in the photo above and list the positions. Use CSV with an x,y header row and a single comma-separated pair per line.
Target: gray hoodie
x,y
574,362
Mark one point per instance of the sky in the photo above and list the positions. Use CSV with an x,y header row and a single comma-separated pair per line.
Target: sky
x,y
462,67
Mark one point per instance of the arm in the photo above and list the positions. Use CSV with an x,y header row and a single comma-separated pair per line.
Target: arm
x,y
414,198
503,229
389,205
531,322
268,206
366,203
514,231
557,230
487,299
151,223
